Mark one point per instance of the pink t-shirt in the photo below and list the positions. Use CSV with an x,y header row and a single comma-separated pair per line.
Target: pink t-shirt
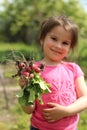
x,y
61,79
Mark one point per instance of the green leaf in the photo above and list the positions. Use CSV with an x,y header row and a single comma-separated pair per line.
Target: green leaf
x,y
42,85
31,98
20,94
22,101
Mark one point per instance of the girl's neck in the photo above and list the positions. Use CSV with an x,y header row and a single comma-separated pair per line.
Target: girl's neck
x,y
50,62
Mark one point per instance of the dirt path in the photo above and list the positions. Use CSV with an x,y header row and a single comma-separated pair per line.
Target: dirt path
x,y
11,89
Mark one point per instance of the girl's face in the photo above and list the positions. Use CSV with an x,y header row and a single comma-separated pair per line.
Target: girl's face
x,y
56,44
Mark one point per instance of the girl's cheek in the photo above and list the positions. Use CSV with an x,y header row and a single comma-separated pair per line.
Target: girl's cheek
x,y
50,42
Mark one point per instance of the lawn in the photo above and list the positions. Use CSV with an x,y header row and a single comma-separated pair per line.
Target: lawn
x,y
16,46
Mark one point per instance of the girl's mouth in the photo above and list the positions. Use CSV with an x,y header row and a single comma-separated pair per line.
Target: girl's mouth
x,y
55,51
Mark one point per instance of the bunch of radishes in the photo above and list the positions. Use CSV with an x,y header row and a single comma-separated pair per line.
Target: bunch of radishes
x,y
35,86
28,70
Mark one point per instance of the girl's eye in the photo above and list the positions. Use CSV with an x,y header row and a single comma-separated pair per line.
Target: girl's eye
x,y
54,38
65,43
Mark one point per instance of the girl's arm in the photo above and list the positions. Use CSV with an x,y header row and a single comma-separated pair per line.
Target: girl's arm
x,y
27,109
56,111
81,103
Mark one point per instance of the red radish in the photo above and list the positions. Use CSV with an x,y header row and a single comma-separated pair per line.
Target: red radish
x,y
37,70
31,75
21,65
26,74
28,69
34,66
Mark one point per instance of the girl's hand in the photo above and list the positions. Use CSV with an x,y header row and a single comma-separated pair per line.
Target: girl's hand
x,y
29,109
22,82
54,112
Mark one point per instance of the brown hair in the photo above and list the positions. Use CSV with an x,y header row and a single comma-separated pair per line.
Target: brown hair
x,y
63,21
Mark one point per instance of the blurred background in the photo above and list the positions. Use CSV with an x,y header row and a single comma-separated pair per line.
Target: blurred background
x,y
20,22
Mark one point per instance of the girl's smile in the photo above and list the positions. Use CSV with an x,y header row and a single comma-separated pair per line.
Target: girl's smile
x,y
56,52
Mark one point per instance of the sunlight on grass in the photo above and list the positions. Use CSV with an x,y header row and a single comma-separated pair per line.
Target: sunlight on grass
x,y
83,120
3,126
15,117
15,46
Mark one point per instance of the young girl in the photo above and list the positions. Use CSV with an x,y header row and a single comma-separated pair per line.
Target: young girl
x,y
68,94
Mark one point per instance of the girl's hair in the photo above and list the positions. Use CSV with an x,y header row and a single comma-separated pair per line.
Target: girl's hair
x,y
63,21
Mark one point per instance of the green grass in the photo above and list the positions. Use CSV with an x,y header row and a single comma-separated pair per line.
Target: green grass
x,y
16,118
16,46
83,121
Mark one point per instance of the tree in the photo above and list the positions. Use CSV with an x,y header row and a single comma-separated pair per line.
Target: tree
x,y
21,19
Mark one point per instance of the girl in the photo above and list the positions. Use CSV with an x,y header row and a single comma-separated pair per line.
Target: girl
x,y
68,94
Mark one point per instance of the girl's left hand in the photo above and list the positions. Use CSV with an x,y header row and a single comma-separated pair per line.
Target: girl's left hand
x,y
54,112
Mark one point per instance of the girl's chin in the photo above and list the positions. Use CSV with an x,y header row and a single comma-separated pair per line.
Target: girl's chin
x,y
52,60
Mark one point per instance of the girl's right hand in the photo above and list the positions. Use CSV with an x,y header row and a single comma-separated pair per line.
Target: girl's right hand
x,y
22,82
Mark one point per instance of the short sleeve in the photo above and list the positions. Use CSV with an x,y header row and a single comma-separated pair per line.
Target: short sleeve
x,y
77,71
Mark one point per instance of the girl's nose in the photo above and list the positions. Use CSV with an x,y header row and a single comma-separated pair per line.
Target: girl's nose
x,y
59,45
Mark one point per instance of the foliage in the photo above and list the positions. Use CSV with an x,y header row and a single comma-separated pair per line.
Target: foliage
x,y
80,55
20,20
